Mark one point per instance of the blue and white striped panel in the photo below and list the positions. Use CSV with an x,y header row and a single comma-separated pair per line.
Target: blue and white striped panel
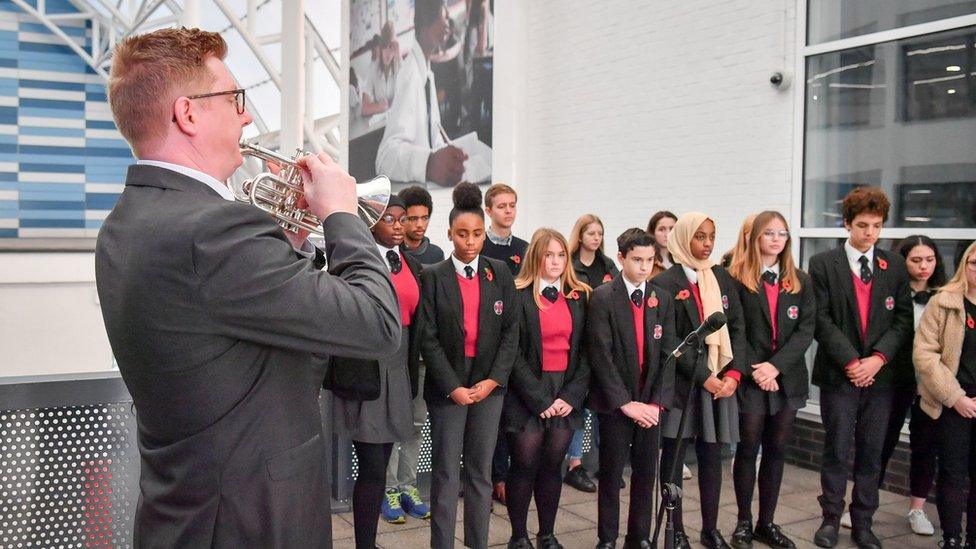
x,y
62,160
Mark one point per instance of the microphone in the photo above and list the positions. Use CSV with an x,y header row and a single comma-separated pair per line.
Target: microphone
x,y
714,321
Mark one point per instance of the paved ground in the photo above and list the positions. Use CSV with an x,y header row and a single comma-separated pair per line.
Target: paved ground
x,y
797,512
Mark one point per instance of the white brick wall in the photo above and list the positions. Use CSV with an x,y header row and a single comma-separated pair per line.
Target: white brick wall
x,y
631,107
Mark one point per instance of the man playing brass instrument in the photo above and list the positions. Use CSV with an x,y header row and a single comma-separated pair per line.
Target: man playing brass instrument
x,y
213,317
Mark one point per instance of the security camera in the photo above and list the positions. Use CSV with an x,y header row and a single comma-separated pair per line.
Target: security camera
x,y
781,79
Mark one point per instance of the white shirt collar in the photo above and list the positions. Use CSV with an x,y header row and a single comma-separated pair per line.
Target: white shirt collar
x,y
221,188
691,274
854,257
774,268
459,266
630,287
422,62
543,284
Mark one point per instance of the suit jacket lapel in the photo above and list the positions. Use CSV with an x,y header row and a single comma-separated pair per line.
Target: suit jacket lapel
x,y
532,316
488,295
764,303
625,322
879,292
453,291
842,270
576,312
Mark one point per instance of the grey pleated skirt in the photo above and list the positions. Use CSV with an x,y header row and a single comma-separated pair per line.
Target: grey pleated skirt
x,y
389,418
711,420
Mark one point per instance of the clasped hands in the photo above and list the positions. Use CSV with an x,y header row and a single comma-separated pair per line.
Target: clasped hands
x,y
862,372
559,408
765,375
464,396
721,388
644,415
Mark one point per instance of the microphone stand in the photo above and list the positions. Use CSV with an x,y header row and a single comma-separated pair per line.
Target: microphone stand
x,y
670,492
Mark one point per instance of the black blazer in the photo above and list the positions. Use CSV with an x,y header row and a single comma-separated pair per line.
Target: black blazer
x,y
612,348
584,277
214,327
526,400
796,320
443,340
838,321
359,379
687,319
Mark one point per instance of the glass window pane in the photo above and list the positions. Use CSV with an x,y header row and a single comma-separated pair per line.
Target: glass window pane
x,y
899,115
829,20
950,250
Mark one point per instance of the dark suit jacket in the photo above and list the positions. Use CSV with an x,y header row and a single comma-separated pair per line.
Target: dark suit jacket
x,y
793,335
612,348
443,340
526,399
838,321
584,276
687,319
214,321
359,379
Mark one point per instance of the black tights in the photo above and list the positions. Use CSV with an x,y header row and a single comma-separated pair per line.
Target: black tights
x,y
537,460
367,494
709,456
773,433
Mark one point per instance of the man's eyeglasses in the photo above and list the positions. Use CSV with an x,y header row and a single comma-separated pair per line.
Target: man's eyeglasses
x,y
389,219
239,99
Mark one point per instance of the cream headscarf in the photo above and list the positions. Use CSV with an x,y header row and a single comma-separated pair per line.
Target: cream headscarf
x,y
679,246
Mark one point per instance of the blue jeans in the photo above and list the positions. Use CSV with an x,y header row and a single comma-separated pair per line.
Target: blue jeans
x,y
576,445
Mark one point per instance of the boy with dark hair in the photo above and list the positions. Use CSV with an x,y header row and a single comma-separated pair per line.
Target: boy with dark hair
x,y
630,332
419,209
864,314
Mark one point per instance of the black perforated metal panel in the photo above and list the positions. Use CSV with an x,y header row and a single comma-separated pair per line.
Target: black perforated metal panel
x,y
66,477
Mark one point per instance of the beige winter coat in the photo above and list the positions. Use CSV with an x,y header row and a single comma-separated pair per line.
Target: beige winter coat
x,y
937,348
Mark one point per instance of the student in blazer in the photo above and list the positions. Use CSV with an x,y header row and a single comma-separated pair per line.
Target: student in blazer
x,y
864,316
375,423
470,344
548,385
630,332
593,268
780,314
701,288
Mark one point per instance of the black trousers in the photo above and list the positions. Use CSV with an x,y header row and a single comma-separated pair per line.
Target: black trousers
x,y
850,412
957,461
922,441
620,439
772,432
367,494
709,456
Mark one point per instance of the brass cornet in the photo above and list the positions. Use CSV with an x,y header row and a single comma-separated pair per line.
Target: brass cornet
x,y
279,194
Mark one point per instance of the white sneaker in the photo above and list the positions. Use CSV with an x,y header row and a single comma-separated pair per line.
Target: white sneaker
x,y
845,520
685,472
920,523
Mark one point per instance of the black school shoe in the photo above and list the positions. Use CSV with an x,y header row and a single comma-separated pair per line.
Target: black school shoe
x,y
742,537
772,535
578,478
713,539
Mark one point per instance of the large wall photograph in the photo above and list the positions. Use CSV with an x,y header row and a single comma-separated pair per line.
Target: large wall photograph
x,y
420,91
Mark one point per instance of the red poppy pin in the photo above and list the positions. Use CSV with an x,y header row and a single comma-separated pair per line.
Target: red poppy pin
x,y
786,285
970,323
652,300
607,278
882,264
890,303
574,295
683,295
489,274
516,259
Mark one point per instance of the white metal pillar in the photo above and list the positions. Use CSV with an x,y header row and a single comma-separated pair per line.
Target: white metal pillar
x,y
190,18
292,74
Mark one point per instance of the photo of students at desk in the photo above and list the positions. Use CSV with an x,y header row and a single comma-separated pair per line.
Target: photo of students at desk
x,y
407,141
